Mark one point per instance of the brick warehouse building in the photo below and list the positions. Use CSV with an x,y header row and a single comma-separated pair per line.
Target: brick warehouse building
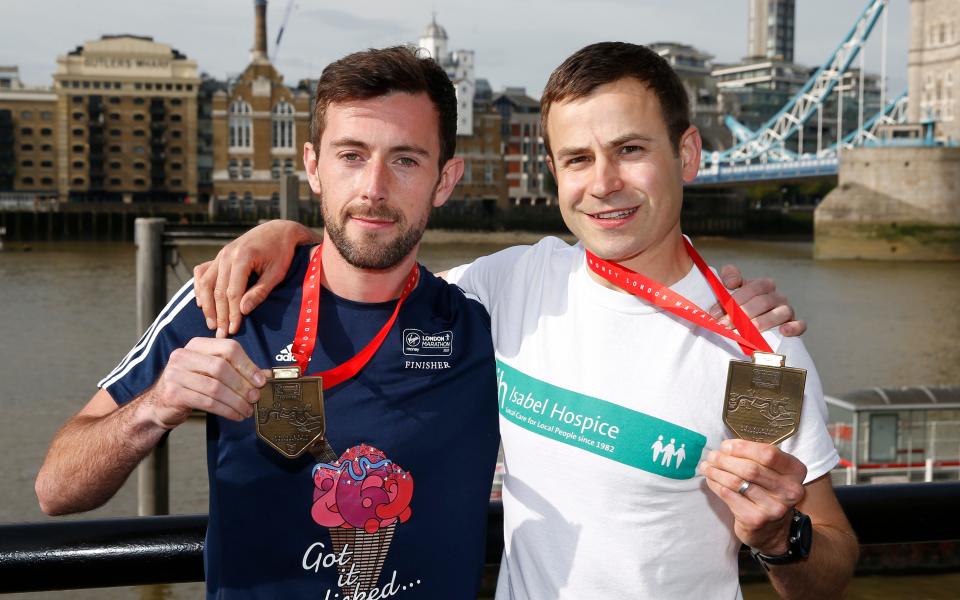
x,y
126,121
259,128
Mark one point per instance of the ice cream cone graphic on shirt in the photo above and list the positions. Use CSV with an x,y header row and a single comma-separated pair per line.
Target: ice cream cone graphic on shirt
x,y
361,497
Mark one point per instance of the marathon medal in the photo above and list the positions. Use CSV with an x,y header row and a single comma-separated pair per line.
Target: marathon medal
x,y
763,398
290,413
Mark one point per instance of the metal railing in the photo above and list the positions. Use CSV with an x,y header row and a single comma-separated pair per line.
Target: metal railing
x,y
169,549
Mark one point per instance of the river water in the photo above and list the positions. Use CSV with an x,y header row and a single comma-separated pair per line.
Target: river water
x,y
67,315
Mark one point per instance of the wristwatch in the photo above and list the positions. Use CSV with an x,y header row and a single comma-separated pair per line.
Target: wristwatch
x,y
801,537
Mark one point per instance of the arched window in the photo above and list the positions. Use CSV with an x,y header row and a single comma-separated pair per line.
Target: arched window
x,y
283,125
241,124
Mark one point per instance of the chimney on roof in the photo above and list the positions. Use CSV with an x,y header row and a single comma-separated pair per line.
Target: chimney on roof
x,y
260,30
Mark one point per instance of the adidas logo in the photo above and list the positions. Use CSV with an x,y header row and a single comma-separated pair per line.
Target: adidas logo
x,y
286,355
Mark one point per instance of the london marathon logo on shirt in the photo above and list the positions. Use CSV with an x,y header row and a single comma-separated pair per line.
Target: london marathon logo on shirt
x,y
420,343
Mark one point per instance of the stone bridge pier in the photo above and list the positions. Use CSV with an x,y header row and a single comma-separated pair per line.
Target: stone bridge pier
x,y
892,203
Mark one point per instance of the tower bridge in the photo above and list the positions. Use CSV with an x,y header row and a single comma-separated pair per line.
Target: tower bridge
x,y
898,171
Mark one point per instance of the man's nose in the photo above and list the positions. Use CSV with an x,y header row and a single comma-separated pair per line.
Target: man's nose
x,y
606,178
375,180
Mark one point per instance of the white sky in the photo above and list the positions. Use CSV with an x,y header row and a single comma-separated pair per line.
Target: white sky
x,y
516,42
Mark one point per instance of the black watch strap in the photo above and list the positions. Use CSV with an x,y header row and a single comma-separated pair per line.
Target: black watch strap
x,y
801,537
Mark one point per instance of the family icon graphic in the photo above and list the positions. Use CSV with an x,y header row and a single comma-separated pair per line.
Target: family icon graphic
x,y
669,452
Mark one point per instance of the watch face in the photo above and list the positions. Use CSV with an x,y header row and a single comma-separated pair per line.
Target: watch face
x,y
804,533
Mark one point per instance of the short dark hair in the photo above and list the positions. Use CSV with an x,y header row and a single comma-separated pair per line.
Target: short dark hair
x,y
378,72
607,62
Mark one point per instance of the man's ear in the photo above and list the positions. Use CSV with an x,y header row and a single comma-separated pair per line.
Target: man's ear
x,y
690,147
449,177
553,170
310,166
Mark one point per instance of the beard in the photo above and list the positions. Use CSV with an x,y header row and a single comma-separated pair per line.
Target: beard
x,y
369,251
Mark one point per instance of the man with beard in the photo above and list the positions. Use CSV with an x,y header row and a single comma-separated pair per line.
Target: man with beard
x,y
398,507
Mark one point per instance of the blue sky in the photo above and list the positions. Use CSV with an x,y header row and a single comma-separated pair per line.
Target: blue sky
x,y
517,42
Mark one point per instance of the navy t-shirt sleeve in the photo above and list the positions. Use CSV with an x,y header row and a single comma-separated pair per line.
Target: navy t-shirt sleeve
x,y
180,321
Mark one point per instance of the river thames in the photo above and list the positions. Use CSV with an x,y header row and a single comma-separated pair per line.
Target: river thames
x,y
68,316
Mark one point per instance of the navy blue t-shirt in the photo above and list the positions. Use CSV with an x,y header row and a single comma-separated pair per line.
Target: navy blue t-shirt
x,y
418,423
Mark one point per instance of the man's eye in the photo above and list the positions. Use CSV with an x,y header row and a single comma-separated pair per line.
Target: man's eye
x,y
406,161
630,149
576,159
350,156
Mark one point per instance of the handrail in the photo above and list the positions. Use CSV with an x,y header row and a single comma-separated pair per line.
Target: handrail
x,y
150,550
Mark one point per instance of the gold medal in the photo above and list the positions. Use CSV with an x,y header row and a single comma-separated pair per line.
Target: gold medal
x,y
290,414
763,398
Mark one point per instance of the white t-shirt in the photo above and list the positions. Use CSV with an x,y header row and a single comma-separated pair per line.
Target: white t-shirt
x,y
607,405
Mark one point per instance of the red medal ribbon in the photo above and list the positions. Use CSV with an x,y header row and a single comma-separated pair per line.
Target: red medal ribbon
x,y
746,335
306,337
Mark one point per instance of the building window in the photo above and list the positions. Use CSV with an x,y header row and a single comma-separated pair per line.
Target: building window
x,y
275,169
283,125
26,115
47,181
138,101
114,181
139,117
78,132
176,182
139,182
246,171
139,133
138,150
175,134
176,102
176,118
46,115
115,149
78,116
26,131
139,166
114,116
115,164
176,150
78,99
27,181
46,148
232,168
115,132
47,164
26,147
78,148
78,181
46,131
77,164
114,100
175,166
26,163
240,125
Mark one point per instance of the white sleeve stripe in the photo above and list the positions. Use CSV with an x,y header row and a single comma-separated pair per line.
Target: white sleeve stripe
x,y
146,334
133,358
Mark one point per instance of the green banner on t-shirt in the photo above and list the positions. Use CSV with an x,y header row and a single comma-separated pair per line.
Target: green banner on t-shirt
x,y
598,426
